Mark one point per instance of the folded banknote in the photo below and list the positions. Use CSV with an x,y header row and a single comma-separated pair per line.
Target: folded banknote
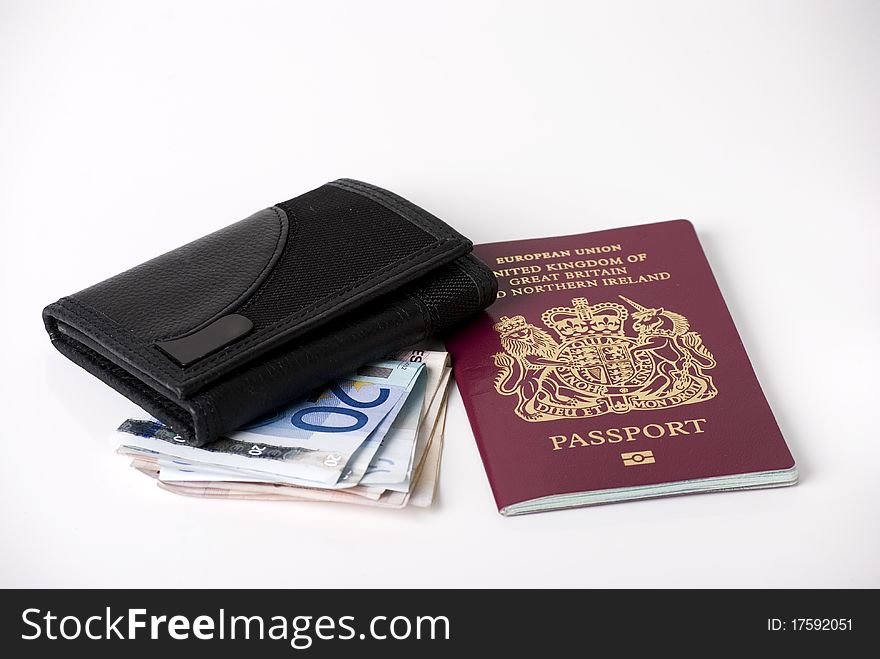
x,y
367,438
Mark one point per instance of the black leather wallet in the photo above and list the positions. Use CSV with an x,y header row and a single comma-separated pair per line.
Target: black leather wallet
x,y
226,328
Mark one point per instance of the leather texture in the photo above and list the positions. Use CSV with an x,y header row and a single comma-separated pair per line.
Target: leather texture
x,y
190,286
329,280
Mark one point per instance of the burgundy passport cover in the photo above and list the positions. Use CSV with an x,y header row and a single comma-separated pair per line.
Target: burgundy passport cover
x,y
610,360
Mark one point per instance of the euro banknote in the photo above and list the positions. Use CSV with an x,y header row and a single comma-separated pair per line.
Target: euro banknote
x,y
311,440
385,464
422,494
396,464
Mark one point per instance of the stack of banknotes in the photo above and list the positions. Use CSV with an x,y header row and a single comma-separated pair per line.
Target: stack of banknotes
x,y
372,438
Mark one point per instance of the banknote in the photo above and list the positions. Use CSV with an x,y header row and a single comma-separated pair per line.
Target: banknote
x,y
185,470
253,491
311,440
401,424
425,487
392,468
386,462
422,494
181,473
426,471
395,465
399,428
435,361
425,476
393,461
204,491
152,465
173,469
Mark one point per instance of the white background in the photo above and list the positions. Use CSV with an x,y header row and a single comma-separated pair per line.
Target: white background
x,y
129,129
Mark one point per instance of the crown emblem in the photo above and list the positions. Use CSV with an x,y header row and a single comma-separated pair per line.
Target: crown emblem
x,y
507,325
584,319
607,360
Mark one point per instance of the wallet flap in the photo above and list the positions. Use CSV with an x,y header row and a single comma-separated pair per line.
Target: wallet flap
x,y
190,316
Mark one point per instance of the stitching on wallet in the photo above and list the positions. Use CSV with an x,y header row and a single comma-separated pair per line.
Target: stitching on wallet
x,y
172,409
109,328
428,322
203,417
265,285
407,210
320,306
206,417
402,207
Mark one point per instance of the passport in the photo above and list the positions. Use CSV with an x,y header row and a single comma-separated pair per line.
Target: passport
x,y
609,369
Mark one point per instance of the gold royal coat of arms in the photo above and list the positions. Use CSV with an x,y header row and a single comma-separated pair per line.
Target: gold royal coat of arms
x,y
596,367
